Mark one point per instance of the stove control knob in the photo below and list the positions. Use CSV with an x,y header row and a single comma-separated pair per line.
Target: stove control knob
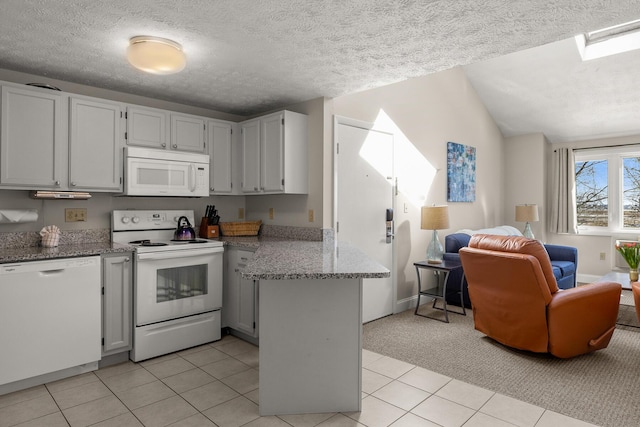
x,y
125,219
135,220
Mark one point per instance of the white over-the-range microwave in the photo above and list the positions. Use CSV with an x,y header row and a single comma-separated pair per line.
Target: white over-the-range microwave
x,y
152,172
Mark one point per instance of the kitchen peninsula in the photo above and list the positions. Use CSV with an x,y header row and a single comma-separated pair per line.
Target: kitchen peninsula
x,y
310,313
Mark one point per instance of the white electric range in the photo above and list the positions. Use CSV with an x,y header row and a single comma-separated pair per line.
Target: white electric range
x,y
177,284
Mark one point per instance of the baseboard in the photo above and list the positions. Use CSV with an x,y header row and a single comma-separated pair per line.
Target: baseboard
x,y
588,278
408,303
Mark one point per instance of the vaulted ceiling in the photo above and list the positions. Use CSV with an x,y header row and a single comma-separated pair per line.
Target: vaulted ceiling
x,y
250,56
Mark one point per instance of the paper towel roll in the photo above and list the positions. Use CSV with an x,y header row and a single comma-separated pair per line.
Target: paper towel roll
x,y
18,215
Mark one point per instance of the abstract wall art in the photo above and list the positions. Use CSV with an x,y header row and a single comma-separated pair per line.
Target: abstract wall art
x,y
461,173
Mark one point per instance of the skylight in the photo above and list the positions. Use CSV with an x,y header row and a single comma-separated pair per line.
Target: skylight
x,y
609,41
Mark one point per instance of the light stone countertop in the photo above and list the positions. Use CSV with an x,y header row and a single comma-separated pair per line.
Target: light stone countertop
x,y
37,253
297,259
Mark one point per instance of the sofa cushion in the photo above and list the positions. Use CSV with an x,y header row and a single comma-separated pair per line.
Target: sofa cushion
x,y
565,268
454,242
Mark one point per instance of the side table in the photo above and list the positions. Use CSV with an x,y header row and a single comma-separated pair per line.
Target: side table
x,y
439,291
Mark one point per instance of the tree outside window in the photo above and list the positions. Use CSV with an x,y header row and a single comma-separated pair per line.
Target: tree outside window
x,y
592,193
608,189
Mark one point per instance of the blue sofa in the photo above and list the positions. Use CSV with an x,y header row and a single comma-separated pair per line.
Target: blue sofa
x,y
564,261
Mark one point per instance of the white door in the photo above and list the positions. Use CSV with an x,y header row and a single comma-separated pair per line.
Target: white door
x,y
364,186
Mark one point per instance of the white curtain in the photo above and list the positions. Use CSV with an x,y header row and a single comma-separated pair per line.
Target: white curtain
x,y
563,217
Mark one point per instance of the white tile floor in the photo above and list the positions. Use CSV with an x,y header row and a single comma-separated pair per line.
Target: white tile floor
x,y
217,385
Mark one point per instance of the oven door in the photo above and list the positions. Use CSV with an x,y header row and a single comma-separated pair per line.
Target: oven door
x,y
177,283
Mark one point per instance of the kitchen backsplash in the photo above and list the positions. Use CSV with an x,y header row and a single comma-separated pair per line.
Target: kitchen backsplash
x,y
15,240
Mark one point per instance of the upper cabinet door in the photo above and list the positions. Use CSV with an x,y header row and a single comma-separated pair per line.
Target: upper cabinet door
x,y
250,147
272,145
33,144
94,145
147,127
220,146
187,133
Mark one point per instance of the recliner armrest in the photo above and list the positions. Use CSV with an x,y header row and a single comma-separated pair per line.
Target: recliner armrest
x,y
578,317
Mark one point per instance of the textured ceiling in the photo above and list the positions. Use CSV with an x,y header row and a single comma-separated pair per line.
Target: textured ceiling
x,y
549,89
250,56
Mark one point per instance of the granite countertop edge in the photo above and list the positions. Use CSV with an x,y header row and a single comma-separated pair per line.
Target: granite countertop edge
x,y
276,258
39,253
285,259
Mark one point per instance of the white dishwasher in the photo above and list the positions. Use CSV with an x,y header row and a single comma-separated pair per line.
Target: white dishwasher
x,y
50,316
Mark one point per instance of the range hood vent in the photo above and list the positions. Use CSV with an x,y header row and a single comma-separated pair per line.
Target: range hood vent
x,y
60,195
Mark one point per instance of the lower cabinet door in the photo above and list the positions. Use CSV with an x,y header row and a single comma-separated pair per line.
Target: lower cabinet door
x,y
117,304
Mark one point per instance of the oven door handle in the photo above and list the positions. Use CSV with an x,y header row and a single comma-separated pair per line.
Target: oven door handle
x,y
178,253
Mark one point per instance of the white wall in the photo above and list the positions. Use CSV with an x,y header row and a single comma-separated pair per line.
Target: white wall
x,y
525,158
425,113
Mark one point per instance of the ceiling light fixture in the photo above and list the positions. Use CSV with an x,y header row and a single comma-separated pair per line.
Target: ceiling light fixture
x,y
609,41
156,55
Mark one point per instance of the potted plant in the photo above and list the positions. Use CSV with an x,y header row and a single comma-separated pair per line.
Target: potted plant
x,y
630,251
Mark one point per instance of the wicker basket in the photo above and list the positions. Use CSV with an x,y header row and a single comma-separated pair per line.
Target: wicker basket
x,y
246,228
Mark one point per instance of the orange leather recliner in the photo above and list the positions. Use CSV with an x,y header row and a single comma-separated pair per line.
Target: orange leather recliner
x,y
516,301
635,288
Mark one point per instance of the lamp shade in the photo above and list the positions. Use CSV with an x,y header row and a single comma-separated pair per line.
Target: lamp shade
x,y
527,213
434,217
156,55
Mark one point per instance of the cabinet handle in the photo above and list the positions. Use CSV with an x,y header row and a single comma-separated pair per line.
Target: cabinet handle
x,y
255,188
163,145
127,260
237,270
175,145
73,184
57,183
212,189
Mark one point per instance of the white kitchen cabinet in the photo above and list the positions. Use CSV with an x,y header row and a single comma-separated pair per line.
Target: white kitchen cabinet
x,y
250,157
95,138
240,307
188,133
220,139
147,127
33,138
162,129
275,154
117,303
53,141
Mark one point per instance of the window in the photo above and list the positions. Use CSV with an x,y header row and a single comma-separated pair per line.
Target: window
x,y
608,189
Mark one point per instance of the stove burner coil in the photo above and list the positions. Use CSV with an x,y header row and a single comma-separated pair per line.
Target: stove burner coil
x,y
147,242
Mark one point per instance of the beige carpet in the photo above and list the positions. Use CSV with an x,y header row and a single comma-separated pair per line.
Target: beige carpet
x,y
602,388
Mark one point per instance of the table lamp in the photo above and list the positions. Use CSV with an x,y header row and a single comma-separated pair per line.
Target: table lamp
x,y
434,218
527,213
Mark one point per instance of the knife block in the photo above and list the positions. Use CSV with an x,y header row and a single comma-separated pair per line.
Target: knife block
x,y
208,231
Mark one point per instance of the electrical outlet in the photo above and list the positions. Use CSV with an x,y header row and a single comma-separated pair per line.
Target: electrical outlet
x,y
310,215
406,208
603,256
75,214
240,213
270,213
